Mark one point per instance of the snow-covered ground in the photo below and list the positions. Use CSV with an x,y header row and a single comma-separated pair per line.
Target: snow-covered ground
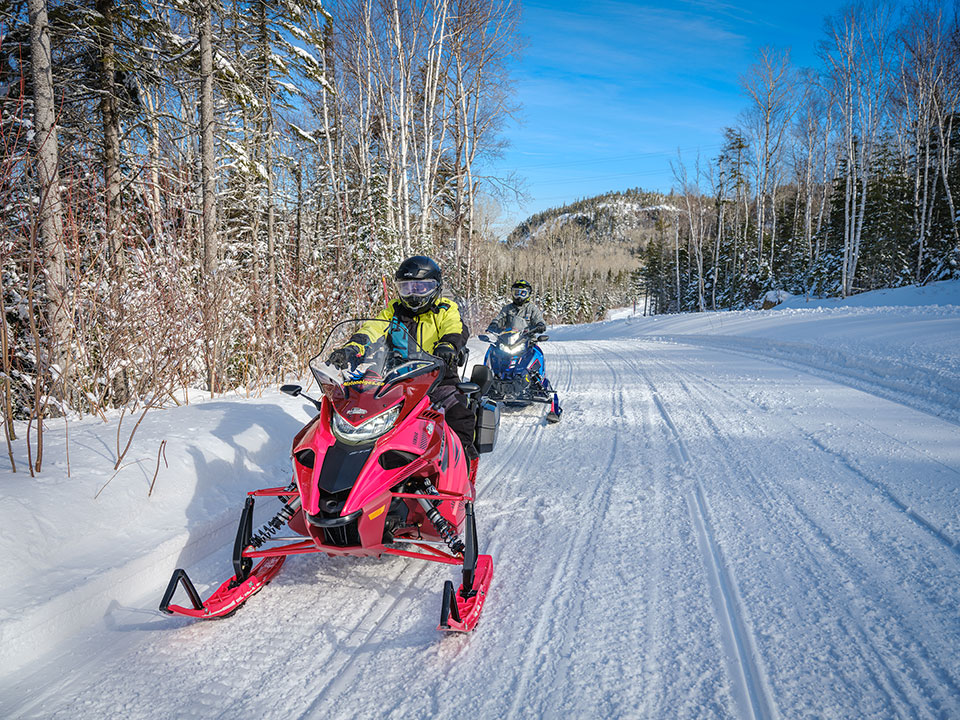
x,y
749,514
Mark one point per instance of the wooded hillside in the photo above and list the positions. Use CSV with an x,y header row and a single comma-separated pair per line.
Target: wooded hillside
x,y
835,180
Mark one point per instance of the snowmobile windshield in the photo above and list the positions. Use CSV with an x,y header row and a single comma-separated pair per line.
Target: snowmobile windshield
x,y
366,355
518,323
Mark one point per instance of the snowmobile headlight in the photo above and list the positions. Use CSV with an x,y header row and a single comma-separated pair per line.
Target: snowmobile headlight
x,y
514,349
365,431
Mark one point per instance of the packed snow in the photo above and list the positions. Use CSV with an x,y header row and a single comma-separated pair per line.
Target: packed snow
x,y
741,514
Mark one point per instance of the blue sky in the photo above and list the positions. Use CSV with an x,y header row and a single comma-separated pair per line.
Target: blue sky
x,y
611,89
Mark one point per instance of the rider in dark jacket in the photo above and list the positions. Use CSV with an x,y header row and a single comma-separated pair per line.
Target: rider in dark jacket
x,y
523,315
435,322
520,313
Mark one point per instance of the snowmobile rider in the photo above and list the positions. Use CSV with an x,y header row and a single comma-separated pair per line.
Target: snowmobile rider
x,y
524,316
520,308
435,322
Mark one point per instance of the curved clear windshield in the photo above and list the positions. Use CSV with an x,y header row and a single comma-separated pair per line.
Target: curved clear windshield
x,y
366,354
518,323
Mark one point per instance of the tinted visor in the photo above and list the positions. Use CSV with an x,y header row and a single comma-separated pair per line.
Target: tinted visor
x,y
416,288
521,293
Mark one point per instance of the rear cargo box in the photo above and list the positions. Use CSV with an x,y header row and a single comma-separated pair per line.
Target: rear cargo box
x,y
488,423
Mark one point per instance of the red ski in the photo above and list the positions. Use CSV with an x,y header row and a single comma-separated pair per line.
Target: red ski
x,y
461,609
227,599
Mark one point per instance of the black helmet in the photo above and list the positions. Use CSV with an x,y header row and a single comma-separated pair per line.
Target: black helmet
x,y
521,291
418,282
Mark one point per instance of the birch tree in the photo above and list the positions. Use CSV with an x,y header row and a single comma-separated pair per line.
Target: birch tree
x,y
769,85
856,55
209,184
50,206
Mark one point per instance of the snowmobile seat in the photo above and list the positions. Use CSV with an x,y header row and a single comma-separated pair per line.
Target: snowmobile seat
x,y
482,376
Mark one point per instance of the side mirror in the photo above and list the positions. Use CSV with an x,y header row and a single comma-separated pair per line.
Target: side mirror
x,y
468,388
543,338
296,390
485,338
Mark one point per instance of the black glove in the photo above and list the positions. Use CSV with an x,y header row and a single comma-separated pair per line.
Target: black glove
x,y
344,357
537,329
447,353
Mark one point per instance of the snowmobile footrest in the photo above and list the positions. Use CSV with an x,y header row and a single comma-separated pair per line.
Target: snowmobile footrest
x,y
229,596
459,614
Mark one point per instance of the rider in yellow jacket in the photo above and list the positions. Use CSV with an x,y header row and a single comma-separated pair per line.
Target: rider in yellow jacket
x,y
439,327
435,323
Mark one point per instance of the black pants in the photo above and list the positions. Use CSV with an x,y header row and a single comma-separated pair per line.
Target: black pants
x,y
458,415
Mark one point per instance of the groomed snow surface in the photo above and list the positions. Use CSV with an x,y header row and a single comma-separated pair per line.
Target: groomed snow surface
x,y
740,515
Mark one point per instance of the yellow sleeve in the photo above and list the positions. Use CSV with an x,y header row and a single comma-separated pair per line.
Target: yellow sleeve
x,y
452,328
373,330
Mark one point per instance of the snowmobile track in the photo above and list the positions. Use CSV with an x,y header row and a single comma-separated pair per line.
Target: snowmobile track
x,y
346,668
874,650
939,535
936,533
563,601
727,604
922,394
737,638
562,605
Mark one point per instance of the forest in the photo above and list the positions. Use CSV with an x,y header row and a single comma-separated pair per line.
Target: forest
x,y
193,192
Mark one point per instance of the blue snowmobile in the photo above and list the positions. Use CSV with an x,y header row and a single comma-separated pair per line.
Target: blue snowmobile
x,y
519,370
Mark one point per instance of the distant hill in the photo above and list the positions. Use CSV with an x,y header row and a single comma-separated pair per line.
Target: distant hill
x,y
628,216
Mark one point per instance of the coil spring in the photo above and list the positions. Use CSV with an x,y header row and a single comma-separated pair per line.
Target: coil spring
x,y
273,525
441,524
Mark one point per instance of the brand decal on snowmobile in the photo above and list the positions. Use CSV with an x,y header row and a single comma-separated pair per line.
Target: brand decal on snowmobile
x,y
356,411
362,382
429,428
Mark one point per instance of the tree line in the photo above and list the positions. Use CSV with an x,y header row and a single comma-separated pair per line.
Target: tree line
x,y
834,181
192,192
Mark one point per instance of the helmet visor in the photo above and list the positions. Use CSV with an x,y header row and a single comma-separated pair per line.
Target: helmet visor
x,y
521,293
416,288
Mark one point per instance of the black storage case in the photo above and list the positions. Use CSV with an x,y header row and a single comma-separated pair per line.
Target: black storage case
x,y
488,423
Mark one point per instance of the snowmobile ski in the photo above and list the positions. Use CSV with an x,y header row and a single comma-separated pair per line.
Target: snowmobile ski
x,y
459,613
227,599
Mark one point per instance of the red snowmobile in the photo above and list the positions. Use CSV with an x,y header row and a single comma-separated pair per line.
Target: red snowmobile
x,y
376,472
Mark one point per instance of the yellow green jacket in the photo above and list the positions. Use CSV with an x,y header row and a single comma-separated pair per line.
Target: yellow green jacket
x,y
439,324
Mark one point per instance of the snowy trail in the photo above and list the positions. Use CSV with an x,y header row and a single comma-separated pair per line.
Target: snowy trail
x,y
705,534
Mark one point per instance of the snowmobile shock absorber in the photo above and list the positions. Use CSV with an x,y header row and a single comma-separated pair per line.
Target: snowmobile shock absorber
x,y
439,521
273,525
470,553
243,565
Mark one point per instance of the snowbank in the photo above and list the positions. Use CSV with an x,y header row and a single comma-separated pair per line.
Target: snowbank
x,y
946,292
71,553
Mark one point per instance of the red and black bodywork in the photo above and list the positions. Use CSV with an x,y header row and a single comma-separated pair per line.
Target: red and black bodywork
x,y
376,472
